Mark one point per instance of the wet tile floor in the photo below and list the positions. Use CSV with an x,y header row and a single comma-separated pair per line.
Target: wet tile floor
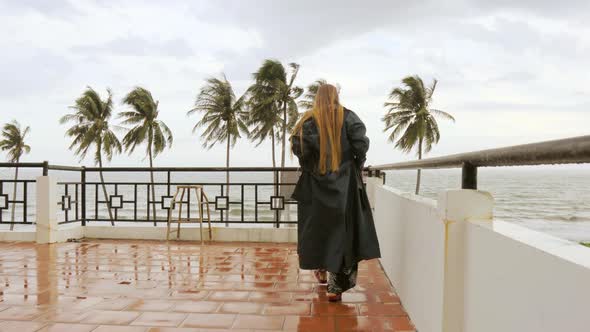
x,y
129,286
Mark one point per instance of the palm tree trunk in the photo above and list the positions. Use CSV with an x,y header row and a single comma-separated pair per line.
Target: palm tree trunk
x,y
104,191
419,170
274,162
152,182
14,191
227,148
227,164
283,151
284,134
272,139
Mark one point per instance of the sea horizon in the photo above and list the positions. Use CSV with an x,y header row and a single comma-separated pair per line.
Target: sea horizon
x,y
553,199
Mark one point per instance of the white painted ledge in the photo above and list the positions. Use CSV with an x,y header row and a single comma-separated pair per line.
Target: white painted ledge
x,y
145,232
546,243
19,235
222,234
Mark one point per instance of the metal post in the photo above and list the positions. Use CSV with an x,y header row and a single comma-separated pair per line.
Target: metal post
x,y
168,183
45,168
469,176
83,180
171,201
277,213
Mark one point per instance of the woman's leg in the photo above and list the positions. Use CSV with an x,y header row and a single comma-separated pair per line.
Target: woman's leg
x,y
321,275
342,281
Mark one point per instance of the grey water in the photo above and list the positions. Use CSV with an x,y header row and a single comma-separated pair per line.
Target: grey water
x,y
551,199
519,194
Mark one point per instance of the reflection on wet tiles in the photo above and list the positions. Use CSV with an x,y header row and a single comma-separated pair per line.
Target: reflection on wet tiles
x,y
21,313
61,327
132,286
11,326
160,319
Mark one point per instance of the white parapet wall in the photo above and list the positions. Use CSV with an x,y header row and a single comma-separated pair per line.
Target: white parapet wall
x,y
518,279
63,233
412,241
192,233
458,270
46,199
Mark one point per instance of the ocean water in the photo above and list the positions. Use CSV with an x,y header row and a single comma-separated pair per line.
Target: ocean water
x,y
531,194
550,199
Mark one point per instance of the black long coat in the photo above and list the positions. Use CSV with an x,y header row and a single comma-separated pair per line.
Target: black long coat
x,y
335,223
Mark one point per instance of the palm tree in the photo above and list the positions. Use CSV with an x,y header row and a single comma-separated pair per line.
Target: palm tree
x,y
273,102
14,142
411,118
264,116
91,129
146,129
263,119
223,115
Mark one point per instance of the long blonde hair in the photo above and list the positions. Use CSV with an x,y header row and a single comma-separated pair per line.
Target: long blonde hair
x,y
328,115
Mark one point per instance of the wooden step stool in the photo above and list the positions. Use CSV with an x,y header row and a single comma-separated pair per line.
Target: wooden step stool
x,y
202,201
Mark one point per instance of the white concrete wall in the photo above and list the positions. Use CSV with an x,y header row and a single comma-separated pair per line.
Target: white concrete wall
x,y
46,206
18,235
411,236
518,280
372,184
458,270
69,231
222,234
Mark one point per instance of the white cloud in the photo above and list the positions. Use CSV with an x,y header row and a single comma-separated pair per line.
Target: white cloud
x,y
511,71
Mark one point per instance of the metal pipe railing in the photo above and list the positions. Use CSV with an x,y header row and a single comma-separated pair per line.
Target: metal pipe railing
x,y
64,168
47,166
22,165
190,169
575,150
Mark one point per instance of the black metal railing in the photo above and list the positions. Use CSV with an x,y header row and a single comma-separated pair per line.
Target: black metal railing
x,y
266,205
21,203
259,197
574,150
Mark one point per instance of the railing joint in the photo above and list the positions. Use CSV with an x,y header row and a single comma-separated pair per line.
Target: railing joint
x,y
469,176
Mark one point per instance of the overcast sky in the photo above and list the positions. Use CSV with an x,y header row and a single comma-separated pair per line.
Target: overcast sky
x,y
509,71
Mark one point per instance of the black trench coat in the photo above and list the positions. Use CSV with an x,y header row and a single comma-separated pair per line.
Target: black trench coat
x,y
335,223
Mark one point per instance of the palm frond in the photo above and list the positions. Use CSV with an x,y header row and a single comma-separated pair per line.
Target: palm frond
x,y
14,141
442,114
220,112
90,125
409,116
148,129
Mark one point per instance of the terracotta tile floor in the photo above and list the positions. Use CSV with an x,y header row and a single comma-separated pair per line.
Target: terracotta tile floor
x,y
154,286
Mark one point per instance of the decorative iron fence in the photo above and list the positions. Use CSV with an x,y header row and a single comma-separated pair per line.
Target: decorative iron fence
x,y
254,195
17,201
17,205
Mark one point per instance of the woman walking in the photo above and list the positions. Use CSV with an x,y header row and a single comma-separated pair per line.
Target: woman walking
x,y
335,223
